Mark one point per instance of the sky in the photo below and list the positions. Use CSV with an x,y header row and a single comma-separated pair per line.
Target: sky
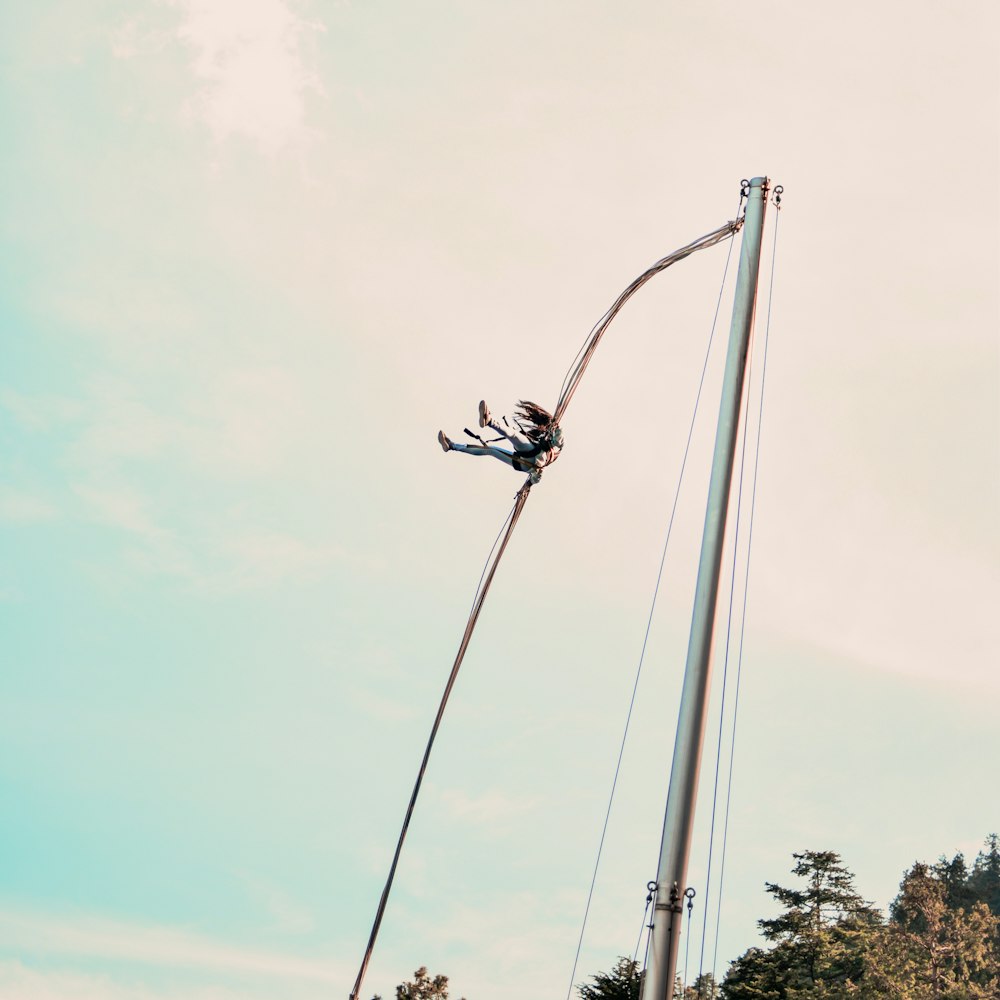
x,y
255,253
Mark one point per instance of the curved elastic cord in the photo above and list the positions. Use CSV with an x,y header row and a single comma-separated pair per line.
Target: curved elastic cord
x,y
584,355
477,607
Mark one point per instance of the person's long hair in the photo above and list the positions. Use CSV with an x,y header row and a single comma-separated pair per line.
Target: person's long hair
x,y
535,421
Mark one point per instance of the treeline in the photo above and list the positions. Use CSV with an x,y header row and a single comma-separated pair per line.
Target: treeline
x,y
940,940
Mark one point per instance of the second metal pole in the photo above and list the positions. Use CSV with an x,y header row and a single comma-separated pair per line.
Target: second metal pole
x,y
679,819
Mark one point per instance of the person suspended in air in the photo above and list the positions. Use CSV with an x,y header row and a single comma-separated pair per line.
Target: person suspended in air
x,y
538,444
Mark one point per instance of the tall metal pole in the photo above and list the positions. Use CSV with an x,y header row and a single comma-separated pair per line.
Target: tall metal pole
x,y
679,819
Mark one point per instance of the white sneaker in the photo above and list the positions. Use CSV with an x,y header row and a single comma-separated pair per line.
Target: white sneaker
x,y
484,414
443,441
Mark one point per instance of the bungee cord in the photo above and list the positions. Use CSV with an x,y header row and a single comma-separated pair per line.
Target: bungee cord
x,y
477,606
570,384
584,355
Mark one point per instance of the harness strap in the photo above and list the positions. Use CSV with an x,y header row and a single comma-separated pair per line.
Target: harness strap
x,y
479,439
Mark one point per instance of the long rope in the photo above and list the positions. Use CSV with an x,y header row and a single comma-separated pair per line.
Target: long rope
x,y
477,607
586,353
649,620
746,581
570,384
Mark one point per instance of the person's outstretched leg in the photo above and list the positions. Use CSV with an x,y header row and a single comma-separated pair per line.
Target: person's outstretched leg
x,y
486,420
471,449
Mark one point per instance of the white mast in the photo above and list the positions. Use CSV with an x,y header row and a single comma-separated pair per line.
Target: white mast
x,y
679,819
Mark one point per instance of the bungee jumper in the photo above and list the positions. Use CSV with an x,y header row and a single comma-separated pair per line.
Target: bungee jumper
x,y
539,446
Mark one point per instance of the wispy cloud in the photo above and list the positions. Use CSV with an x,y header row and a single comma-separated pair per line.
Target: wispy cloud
x,y
33,934
382,709
489,808
254,68
40,411
133,465
289,916
24,507
267,558
242,559
251,419
22,982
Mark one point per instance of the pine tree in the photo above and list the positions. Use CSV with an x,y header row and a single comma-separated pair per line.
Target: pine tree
x,y
826,920
931,950
827,899
984,882
820,937
760,975
623,982
423,987
954,875
704,987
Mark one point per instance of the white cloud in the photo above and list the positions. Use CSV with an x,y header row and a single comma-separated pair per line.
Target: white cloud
x,y
289,916
244,559
255,72
21,982
120,507
17,505
381,709
40,411
42,935
489,808
265,558
252,419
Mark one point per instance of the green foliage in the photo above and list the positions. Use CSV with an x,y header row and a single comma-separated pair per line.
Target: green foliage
x,y
933,949
760,975
954,876
941,943
704,987
827,899
984,881
423,987
623,982
820,936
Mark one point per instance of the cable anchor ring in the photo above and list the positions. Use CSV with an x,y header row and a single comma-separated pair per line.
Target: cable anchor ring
x,y
744,188
778,192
